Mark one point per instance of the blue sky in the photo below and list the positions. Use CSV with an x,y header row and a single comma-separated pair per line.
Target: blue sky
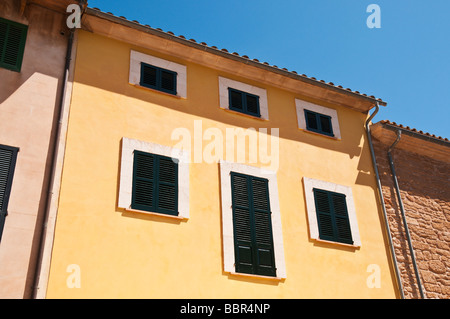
x,y
405,62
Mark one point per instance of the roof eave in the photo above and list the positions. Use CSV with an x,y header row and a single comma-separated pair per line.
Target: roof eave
x,y
233,56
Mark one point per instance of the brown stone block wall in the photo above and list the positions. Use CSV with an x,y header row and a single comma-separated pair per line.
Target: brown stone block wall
x,y
425,192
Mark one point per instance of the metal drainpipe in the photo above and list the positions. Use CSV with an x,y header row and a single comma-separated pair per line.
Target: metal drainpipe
x,y
380,192
68,58
54,153
402,210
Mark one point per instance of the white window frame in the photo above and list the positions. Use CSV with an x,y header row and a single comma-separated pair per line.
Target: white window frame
x,y
301,106
309,185
225,83
136,58
126,174
227,216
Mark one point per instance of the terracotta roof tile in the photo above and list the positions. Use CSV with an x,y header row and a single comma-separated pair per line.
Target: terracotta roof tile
x,y
387,122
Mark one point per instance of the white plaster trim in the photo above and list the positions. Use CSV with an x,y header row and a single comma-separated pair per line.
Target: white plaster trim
x,y
301,105
225,83
126,172
135,70
309,185
227,214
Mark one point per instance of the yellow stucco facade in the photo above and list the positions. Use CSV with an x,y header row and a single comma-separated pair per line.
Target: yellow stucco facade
x,y
101,250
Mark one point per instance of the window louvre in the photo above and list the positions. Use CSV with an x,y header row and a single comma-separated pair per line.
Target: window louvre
x,y
319,123
332,216
8,157
12,44
155,183
158,79
243,102
253,238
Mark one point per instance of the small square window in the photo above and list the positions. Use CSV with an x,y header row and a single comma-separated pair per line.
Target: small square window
x,y
159,79
318,119
331,212
244,102
319,123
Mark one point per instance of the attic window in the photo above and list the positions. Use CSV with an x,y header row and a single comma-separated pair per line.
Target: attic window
x,y
158,78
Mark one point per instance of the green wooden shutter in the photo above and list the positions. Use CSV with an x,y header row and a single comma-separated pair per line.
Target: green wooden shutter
x,y
236,100
158,78
243,102
167,186
155,183
332,216
8,157
344,233
144,183
12,44
253,238
319,123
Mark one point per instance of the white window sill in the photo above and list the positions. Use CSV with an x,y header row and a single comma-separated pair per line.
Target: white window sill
x,y
319,134
245,114
336,243
256,276
156,214
157,91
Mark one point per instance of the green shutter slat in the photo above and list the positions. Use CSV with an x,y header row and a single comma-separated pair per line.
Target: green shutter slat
x,y
243,102
148,76
325,124
155,183
168,81
158,78
236,100
3,32
167,186
344,232
324,217
11,54
12,44
311,120
143,195
332,216
254,251
252,104
318,123
8,156
5,163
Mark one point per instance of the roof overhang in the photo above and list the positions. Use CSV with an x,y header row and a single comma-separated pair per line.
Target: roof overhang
x,y
144,36
412,140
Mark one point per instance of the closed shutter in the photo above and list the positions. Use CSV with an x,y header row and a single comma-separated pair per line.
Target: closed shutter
x,y
243,102
148,75
332,216
158,78
168,81
155,183
319,123
7,165
253,238
235,98
12,44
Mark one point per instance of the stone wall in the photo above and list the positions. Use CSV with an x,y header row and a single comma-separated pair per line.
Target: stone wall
x,y
425,192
